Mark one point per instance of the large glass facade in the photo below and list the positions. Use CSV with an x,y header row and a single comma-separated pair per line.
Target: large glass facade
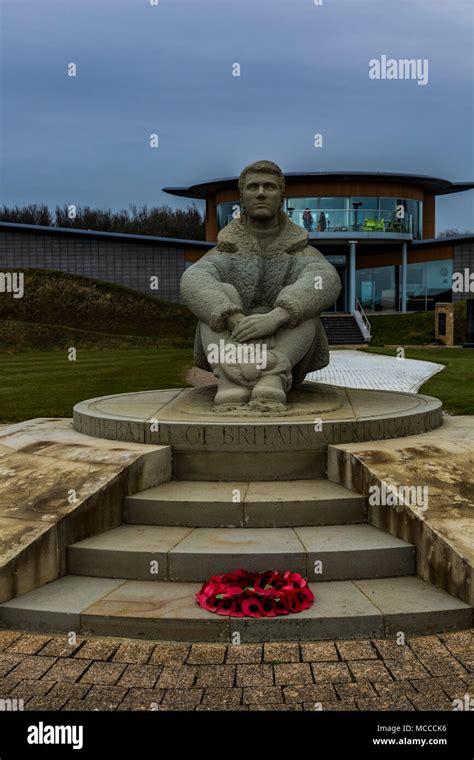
x,y
357,214
428,282
378,288
345,214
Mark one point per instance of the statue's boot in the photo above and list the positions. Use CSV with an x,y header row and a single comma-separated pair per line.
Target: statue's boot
x,y
231,393
269,388
275,380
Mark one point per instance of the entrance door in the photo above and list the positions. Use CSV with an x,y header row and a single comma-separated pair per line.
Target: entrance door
x,y
339,262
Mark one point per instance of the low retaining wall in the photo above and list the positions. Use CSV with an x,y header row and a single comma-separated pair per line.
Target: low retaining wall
x,y
58,487
443,462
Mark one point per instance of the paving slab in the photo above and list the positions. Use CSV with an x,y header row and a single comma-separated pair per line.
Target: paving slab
x,y
413,606
58,439
245,504
340,610
147,609
57,605
301,502
170,609
210,551
194,503
341,552
134,552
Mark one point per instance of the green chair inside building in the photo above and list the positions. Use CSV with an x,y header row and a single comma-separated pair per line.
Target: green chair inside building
x,y
394,226
370,225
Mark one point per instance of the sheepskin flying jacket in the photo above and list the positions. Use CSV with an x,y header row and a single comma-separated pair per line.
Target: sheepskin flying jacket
x,y
287,273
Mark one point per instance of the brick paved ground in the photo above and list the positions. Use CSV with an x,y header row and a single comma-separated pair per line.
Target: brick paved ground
x,y
49,673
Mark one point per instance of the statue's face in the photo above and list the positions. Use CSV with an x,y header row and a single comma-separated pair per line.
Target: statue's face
x,y
261,195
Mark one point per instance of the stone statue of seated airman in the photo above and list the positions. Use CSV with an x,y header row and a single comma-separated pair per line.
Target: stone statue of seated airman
x,y
258,295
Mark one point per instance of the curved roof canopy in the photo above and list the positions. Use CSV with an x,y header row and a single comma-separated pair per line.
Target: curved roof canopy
x,y
429,184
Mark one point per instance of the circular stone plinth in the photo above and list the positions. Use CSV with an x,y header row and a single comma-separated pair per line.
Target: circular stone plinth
x,y
317,415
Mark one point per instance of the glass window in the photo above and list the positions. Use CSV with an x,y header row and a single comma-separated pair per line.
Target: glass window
x,y
335,202
428,282
416,275
364,214
303,211
299,204
332,214
366,202
387,204
345,214
378,288
438,280
226,212
414,218
385,289
365,288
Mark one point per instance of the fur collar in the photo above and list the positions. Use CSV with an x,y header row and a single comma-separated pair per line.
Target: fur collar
x,y
237,237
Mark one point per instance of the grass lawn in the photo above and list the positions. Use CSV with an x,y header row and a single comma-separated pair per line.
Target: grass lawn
x,y
413,329
46,384
455,384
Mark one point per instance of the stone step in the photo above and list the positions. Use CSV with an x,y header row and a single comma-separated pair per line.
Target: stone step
x,y
168,611
183,554
245,465
267,504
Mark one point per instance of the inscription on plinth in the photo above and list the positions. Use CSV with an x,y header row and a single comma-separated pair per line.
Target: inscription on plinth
x,y
237,437
115,430
381,415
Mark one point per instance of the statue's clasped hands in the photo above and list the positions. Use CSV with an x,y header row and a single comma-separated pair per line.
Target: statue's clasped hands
x,y
257,325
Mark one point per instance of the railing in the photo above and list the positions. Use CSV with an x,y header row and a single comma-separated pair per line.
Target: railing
x,y
362,320
353,220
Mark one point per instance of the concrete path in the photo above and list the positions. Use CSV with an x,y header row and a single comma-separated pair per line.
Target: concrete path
x,y
58,673
356,369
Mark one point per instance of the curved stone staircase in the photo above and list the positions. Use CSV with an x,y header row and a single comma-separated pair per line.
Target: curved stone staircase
x,y
140,579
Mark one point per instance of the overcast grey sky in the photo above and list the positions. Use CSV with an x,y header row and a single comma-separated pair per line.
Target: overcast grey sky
x,y
167,69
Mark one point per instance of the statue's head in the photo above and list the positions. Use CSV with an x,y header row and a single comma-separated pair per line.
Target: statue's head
x,y
262,189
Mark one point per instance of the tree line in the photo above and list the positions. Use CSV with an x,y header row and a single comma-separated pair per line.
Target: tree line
x,y
162,221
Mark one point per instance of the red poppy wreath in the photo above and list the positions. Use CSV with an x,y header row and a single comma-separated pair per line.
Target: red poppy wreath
x,y
244,593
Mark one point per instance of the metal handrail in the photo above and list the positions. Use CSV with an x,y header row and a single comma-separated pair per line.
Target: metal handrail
x,y
365,321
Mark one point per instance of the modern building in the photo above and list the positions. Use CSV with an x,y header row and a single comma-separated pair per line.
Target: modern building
x,y
378,229
134,261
